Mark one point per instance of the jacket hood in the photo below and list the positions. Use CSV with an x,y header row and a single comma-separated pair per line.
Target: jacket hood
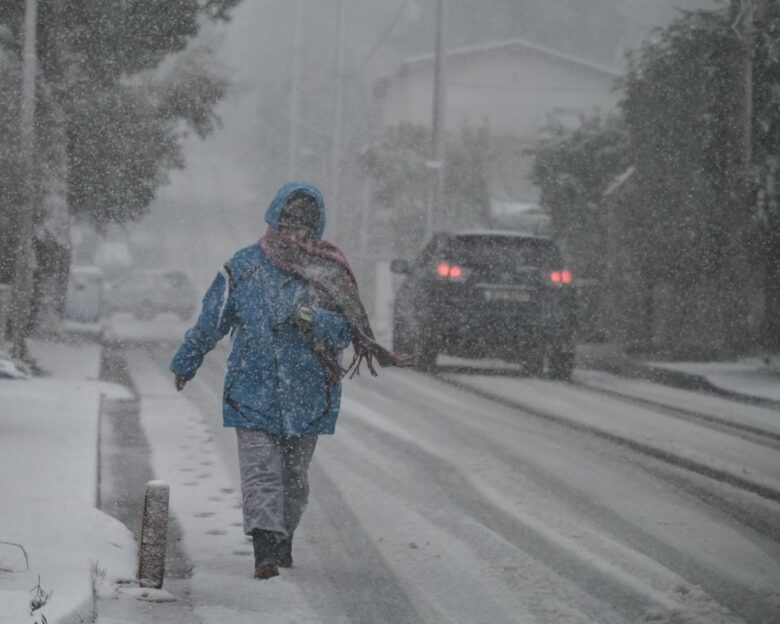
x,y
274,211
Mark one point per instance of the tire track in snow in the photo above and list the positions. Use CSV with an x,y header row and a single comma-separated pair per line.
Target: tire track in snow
x,y
758,435
615,565
729,504
457,569
477,530
762,488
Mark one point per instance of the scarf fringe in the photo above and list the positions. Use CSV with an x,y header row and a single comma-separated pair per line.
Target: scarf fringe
x,y
324,265
357,359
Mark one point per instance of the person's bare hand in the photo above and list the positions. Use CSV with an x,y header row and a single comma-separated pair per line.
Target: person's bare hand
x,y
180,383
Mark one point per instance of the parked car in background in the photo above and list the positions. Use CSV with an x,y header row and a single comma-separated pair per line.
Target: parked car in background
x,y
147,293
84,297
113,257
488,294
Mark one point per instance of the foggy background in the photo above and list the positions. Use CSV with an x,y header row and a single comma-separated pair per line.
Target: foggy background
x,y
216,204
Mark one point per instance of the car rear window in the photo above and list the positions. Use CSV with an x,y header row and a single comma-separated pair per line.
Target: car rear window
x,y
497,251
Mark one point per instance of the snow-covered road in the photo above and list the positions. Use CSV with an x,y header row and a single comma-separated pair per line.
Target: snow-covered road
x,y
468,498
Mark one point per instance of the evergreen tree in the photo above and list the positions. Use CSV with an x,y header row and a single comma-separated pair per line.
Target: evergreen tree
x,y
402,183
573,169
696,239
684,106
109,121
122,121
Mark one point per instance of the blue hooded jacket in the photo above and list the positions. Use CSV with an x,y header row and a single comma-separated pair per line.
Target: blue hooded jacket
x,y
274,380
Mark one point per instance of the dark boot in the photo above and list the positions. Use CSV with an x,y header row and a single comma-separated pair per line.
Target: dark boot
x,y
284,552
265,544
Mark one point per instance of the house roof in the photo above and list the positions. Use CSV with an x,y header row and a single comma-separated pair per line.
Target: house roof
x,y
509,44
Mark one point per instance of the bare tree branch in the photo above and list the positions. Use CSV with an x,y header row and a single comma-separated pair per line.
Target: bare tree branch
x,y
24,552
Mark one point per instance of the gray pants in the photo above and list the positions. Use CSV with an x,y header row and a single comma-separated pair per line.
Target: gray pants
x,y
274,484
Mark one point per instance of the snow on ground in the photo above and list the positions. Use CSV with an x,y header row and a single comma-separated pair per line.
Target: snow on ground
x,y
67,362
395,469
430,504
712,449
123,327
48,459
207,505
516,444
740,413
752,376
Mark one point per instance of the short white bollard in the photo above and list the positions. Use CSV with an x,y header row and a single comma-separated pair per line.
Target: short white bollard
x,y
154,529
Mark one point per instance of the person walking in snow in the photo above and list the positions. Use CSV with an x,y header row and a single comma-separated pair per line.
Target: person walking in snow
x,y
291,302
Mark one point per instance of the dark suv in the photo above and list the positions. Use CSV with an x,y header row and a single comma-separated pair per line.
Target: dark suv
x,y
488,294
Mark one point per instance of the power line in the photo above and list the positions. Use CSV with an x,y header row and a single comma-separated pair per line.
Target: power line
x,y
292,157
385,35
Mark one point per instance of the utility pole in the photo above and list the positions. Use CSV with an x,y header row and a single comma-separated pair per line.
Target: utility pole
x,y
292,161
437,124
23,270
338,117
746,30
739,265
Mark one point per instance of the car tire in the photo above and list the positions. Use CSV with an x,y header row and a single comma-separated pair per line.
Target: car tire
x,y
534,362
425,357
401,342
560,362
530,356
424,349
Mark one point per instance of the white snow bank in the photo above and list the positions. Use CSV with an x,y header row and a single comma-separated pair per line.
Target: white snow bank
x,y
48,458
79,362
757,377
12,369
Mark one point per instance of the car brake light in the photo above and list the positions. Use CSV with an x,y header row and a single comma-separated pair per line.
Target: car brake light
x,y
561,277
453,271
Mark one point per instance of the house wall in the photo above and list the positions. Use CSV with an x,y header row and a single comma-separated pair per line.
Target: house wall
x,y
514,91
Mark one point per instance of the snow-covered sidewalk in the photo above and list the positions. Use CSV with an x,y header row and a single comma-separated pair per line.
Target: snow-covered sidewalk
x,y
746,378
56,545
206,501
754,377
